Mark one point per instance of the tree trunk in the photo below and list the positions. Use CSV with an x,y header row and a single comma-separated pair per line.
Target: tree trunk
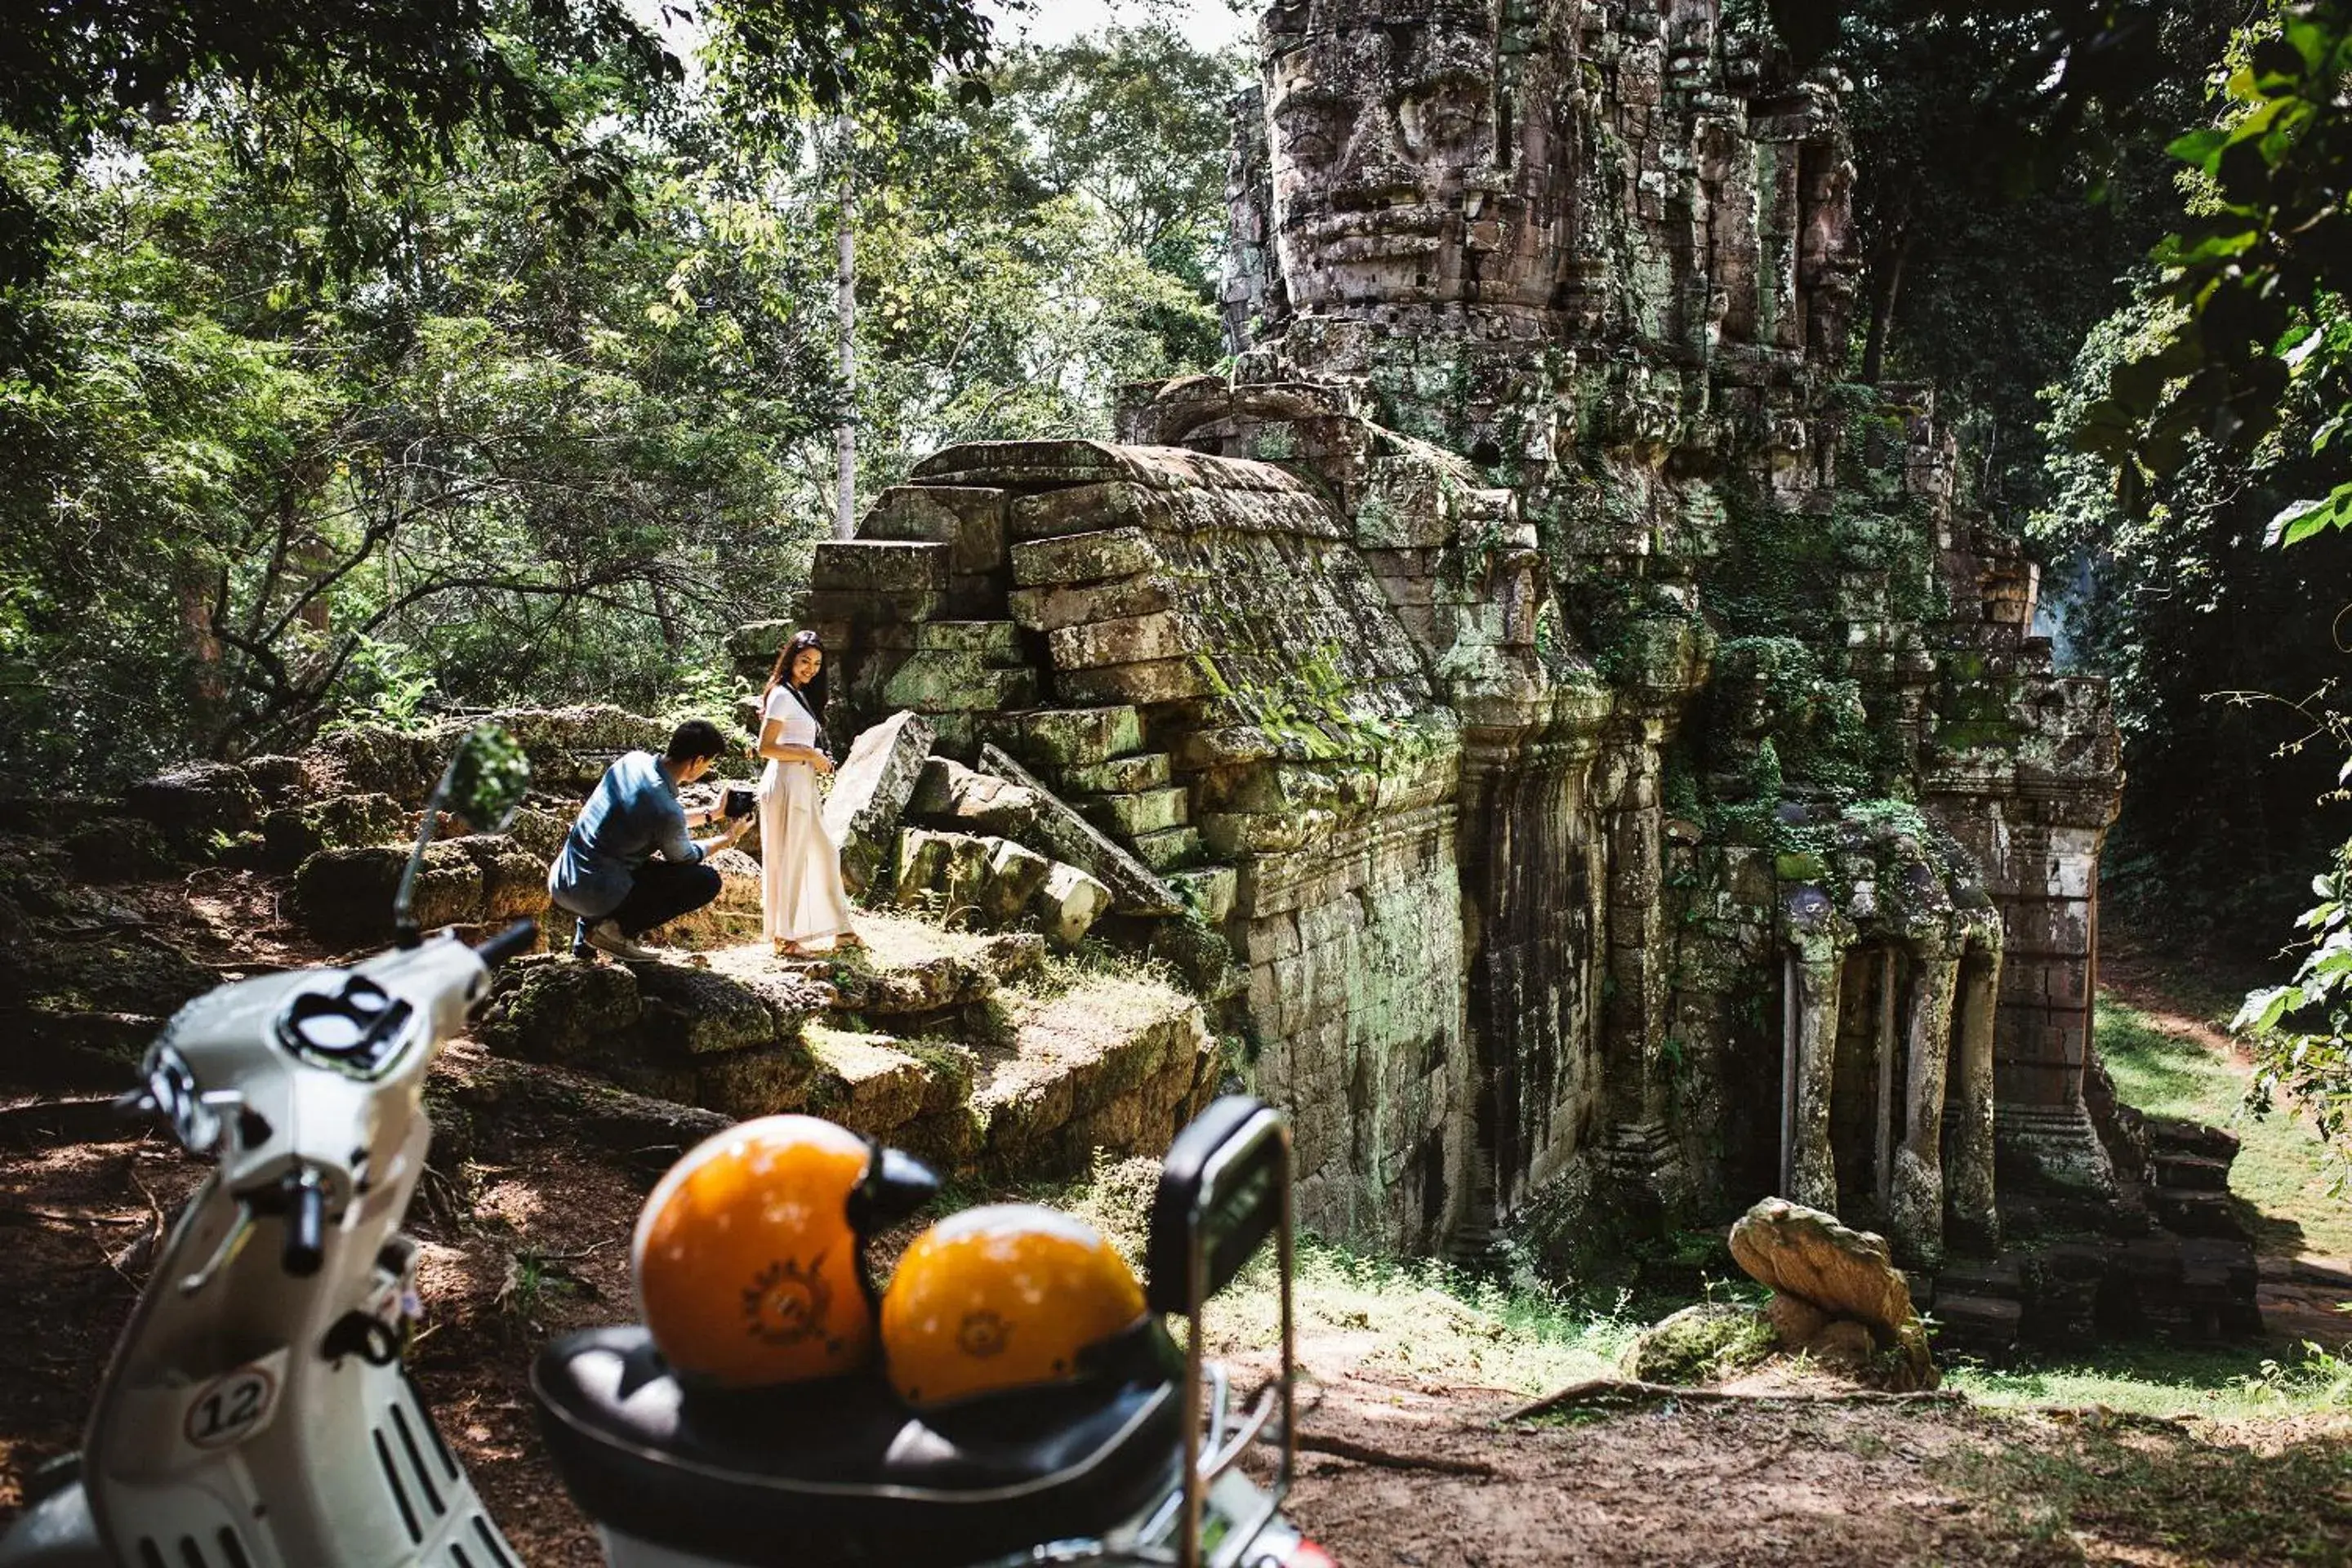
x,y
845,302
1885,286
208,684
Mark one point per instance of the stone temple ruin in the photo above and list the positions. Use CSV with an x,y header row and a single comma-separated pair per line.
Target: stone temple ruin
x,y
1615,759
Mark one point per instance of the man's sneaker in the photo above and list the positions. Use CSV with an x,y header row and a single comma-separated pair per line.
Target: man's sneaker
x,y
606,937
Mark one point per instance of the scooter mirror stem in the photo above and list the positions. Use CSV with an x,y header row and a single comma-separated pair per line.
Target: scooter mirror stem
x,y
404,932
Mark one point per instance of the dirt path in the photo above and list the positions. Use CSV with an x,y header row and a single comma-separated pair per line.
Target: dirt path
x,y
526,1241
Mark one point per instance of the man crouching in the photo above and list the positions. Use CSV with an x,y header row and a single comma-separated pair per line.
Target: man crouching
x,y
606,875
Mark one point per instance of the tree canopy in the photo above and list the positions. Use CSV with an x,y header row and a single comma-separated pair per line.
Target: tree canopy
x,y
490,456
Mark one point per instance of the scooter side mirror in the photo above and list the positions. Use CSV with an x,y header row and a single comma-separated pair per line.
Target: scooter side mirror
x,y
1220,1195
487,779
483,785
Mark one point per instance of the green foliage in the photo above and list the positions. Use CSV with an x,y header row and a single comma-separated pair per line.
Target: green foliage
x,y
2255,276
487,459
2302,1032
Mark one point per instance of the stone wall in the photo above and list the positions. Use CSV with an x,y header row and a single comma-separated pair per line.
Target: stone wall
x,y
1570,702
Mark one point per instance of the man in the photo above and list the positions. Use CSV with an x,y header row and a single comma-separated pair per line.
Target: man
x,y
606,875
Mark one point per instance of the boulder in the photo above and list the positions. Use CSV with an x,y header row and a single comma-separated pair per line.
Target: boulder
x,y
119,849
295,833
1705,1343
1068,902
871,789
1844,1273
953,796
345,895
191,803
514,880
549,1008
280,779
1015,875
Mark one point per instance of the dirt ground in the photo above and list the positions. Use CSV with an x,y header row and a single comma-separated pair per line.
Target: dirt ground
x,y
533,1243
526,1236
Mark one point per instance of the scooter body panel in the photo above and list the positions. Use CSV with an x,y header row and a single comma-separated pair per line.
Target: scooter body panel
x,y
55,1533
255,1414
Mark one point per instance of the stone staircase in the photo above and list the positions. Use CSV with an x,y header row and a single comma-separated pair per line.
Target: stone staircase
x,y
945,1043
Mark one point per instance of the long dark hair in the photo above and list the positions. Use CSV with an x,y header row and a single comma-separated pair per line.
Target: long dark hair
x,y
814,694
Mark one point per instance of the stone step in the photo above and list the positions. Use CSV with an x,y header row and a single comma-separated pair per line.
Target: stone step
x,y
2195,1212
1208,891
1134,815
1056,740
1169,849
1975,1325
1129,774
1978,1276
956,682
878,566
2196,1172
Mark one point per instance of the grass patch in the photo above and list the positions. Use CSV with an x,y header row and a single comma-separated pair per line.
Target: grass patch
x,y
1414,1317
1420,1319
2215,1383
2288,1199
2171,1499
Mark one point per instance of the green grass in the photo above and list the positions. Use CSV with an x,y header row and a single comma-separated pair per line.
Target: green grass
x,y
1417,1318
2168,1497
2288,1196
2225,1383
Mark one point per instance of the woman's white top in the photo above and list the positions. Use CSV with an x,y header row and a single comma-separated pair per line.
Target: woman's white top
x,y
786,707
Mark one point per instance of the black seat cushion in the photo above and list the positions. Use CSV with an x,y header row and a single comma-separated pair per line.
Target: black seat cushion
x,y
842,1471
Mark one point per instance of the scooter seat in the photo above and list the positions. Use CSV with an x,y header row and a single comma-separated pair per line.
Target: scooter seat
x,y
842,1471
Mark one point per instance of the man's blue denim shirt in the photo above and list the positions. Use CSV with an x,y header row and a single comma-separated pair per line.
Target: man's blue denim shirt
x,y
633,815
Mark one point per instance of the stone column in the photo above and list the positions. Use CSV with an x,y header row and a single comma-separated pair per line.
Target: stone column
x,y
1972,1213
1816,966
1916,1222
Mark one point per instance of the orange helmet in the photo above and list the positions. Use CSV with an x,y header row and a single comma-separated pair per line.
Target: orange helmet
x,y
748,1256
1000,1297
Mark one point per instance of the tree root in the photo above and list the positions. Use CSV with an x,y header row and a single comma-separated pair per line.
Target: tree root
x,y
1605,1390
1382,1459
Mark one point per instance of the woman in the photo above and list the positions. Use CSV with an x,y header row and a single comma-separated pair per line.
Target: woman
x,y
801,897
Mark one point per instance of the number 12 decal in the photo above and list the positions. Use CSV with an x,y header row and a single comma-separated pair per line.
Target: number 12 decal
x,y
236,1405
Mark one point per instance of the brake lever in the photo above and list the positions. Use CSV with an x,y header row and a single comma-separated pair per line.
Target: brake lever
x,y
230,1246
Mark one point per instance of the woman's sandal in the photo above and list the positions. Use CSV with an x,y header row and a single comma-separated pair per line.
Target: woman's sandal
x,y
849,941
785,949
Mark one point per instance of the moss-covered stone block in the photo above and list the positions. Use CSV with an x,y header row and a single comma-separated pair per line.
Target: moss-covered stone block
x,y
692,1012
1060,738
1133,816
877,566
1083,558
1120,775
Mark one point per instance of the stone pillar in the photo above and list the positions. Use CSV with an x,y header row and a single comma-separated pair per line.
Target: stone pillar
x,y
1916,1222
1971,1213
1816,966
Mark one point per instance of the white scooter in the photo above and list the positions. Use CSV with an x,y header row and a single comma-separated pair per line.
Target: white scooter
x,y
256,1413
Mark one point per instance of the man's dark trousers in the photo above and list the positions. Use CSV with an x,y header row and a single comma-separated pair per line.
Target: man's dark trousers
x,y
663,890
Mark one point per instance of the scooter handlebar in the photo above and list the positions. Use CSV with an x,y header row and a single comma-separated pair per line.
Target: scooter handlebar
x,y
516,938
306,1224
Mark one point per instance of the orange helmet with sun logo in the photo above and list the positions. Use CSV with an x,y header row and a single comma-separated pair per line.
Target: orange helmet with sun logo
x,y
747,1255
1000,1297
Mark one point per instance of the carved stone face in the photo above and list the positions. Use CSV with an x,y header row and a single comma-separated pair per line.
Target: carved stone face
x,y
1414,157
